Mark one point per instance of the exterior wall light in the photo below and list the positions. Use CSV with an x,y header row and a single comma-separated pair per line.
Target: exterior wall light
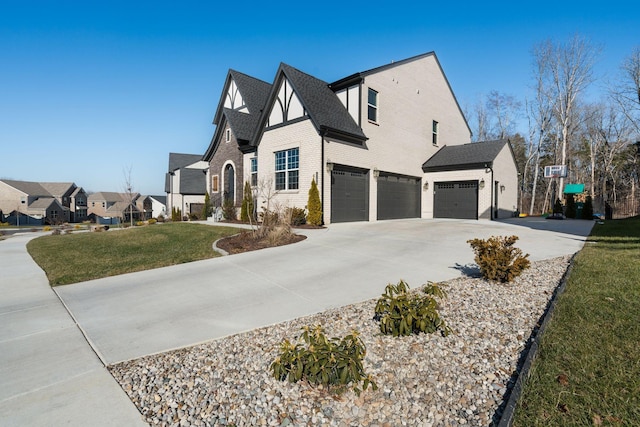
x,y
376,173
426,185
481,184
502,187
329,167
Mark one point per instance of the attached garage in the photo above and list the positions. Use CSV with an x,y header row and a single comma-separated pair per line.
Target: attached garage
x,y
455,199
398,196
349,194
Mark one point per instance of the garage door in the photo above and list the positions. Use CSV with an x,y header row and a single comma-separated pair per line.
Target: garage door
x,y
458,199
398,197
349,194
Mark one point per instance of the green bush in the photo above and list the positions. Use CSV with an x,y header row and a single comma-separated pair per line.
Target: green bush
x,y
297,216
314,206
498,259
228,209
401,312
332,362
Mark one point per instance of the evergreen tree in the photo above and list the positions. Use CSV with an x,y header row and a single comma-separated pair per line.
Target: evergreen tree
x,y
314,216
206,209
246,211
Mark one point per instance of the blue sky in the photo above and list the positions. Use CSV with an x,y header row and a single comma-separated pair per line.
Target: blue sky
x,y
89,90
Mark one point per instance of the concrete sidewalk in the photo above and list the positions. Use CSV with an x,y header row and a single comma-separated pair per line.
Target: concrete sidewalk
x,y
136,314
49,375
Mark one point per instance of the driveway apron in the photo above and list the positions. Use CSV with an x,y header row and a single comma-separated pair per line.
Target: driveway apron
x,y
49,375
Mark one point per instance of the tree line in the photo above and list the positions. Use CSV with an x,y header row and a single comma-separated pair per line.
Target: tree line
x,y
598,141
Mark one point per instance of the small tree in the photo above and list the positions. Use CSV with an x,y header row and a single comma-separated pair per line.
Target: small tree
x,y
314,216
247,210
176,214
206,209
571,207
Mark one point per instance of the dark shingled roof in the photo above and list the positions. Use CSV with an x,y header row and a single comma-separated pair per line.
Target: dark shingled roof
x,y
179,160
243,125
476,155
193,181
323,106
254,93
161,199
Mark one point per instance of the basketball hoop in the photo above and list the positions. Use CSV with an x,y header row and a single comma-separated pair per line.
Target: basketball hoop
x,y
556,171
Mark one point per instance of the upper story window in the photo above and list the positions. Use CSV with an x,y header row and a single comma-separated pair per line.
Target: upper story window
x,y
372,105
254,171
228,135
435,133
287,169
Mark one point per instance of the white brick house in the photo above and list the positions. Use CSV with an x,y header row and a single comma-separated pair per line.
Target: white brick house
x,y
366,140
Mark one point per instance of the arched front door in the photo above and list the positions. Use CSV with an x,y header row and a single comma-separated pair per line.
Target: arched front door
x,y
229,183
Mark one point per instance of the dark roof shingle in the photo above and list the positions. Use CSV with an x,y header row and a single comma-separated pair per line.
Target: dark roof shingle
x,y
467,156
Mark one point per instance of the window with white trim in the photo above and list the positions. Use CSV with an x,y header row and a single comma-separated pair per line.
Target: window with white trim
x,y
254,171
435,132
287,169
372,105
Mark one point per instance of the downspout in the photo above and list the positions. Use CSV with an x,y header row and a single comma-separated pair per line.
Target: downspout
x,y
322,171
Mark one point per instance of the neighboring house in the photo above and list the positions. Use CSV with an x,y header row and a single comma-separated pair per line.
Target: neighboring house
x,y
158,206
78,205
110,208
38,202
186,183
364,139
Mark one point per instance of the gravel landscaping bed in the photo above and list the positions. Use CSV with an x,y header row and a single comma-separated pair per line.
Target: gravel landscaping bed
x,y
423,380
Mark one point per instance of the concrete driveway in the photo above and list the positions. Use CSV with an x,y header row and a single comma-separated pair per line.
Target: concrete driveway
x,y
136,314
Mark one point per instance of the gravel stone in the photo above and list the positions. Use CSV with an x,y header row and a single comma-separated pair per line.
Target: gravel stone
x,y
423,380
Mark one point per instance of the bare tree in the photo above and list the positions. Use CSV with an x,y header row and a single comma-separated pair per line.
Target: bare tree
x,y
540,114
128,190
568,72
503,110
626,93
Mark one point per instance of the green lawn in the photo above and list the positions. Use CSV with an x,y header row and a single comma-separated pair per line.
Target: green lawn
x,y
587,371
76,257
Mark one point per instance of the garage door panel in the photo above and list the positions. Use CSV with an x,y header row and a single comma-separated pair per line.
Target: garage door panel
x,y
456,199
349,195
398,197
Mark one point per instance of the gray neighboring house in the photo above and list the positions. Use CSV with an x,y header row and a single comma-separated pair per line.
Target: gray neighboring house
x,y
27,202
186,183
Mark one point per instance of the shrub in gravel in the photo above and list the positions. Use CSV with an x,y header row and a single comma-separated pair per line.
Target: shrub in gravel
x,y
332,362
401,312
498,259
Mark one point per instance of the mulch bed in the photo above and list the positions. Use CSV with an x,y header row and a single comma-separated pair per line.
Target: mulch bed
x,y
245,242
